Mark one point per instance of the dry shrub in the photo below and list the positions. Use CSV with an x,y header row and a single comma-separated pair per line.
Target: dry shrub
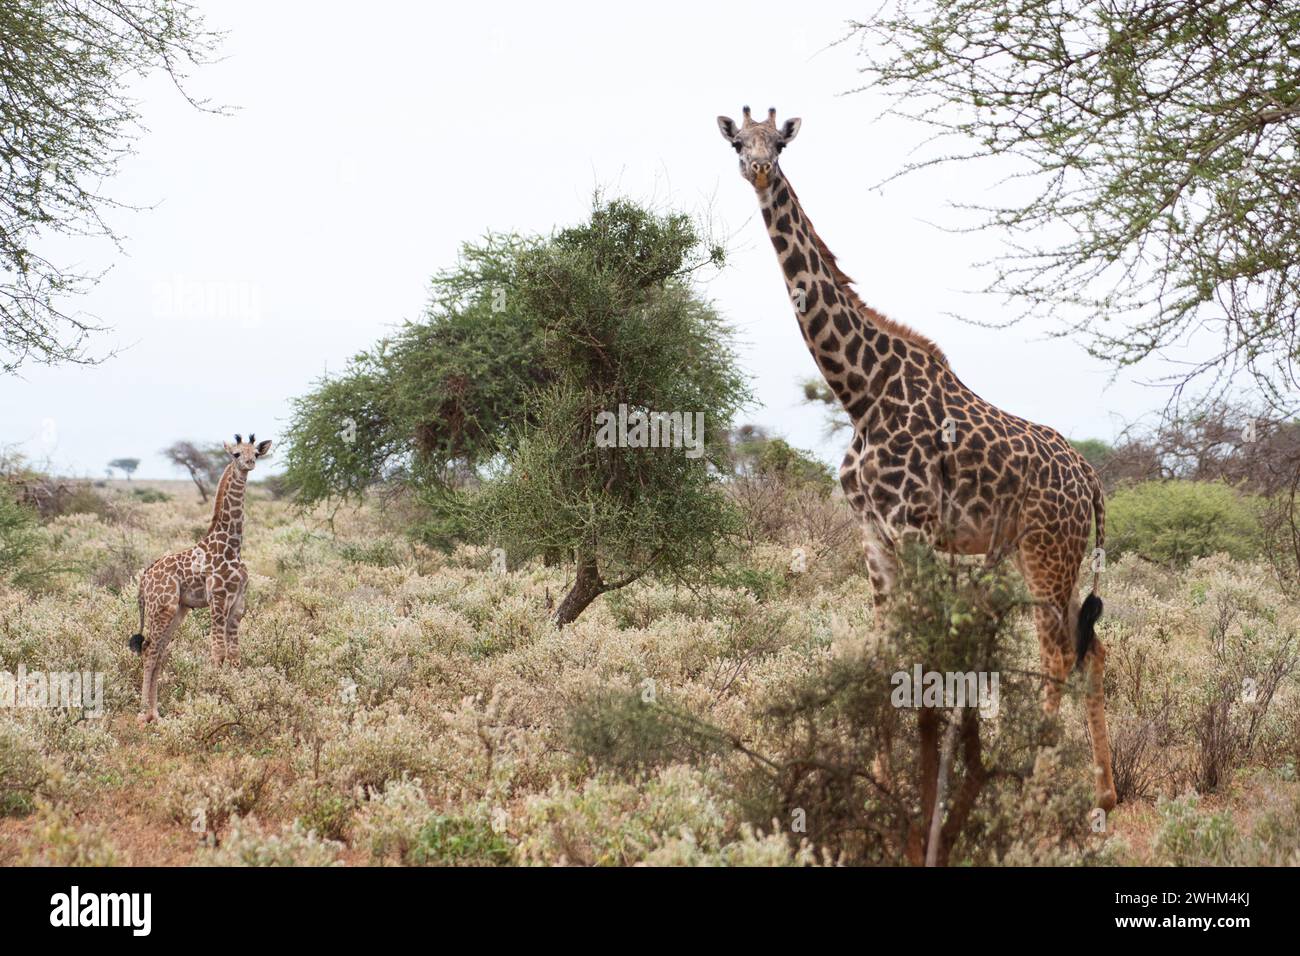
x,y
206,798
60,840
831,760
535,744
24,771
250,844
1249,666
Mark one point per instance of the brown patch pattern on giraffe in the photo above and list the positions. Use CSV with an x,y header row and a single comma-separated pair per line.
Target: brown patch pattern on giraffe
x,y
210,574
931,458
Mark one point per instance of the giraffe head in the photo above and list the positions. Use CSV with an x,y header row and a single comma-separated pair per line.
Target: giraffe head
x,y
246,453
758,145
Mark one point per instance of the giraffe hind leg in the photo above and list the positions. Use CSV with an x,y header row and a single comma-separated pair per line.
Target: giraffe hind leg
x,y
161,625
1095,668
1062,624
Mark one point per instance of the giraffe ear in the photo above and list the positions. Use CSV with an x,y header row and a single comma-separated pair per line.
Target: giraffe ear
x,y
263,449
790,129
230,449
727,126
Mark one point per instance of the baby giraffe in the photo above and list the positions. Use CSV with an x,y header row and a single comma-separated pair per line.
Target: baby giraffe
x,y
210,575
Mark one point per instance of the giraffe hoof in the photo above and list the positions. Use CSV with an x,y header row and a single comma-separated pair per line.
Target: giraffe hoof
x,y
145,718
1107,800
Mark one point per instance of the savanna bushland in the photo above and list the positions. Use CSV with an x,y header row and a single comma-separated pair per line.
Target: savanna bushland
x,y
485,627
477,635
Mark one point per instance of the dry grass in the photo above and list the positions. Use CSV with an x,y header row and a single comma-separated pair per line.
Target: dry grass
x,y
399,706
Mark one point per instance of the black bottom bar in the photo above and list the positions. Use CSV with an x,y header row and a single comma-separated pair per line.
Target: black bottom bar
x,y
940,907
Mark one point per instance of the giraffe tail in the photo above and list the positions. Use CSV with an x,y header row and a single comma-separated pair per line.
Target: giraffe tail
x,y
137,640
1090,610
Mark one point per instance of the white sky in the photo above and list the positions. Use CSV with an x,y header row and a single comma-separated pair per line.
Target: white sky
x,y
371,141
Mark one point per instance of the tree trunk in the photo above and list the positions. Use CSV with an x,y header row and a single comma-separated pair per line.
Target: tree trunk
x,y
927,723
203,488
586,588
971,785
933,843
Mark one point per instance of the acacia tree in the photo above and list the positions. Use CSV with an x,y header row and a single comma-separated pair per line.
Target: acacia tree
x,y
204,463
624,336
66,121
1154,144
817,393
126,466
429,405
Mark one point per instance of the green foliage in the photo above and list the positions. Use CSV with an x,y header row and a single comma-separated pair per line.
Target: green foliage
x,y
20,544
60,840
1095,451
382,553
815,742
948,615
430,404
458,841
763,583
628,730
1172,522
635,509
621,327
150,496
70,110
779,460
524,343
327,813
81,499
1189,836
1154,144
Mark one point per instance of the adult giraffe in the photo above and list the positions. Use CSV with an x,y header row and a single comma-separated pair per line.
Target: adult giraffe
x,y
929,457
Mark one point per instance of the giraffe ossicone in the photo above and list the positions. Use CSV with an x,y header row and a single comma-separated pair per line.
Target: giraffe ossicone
x,y
931,459
210,574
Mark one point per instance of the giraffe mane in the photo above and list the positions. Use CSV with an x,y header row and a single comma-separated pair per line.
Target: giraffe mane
x,y
219,497
845,282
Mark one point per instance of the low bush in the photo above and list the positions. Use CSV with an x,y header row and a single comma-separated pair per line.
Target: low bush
x,y
1172,522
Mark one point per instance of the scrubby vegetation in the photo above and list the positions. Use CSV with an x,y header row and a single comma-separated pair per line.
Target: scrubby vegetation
x,y
1172,522
399,705
530,407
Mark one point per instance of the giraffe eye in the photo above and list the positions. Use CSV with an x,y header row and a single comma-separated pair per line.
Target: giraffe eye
x,y
736,145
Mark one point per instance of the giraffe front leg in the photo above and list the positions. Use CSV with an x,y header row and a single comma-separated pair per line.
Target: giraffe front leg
x,y
220,603
882,567
233,617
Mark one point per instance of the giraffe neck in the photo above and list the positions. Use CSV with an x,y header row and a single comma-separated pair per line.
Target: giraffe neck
x,y
227,526
858,350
